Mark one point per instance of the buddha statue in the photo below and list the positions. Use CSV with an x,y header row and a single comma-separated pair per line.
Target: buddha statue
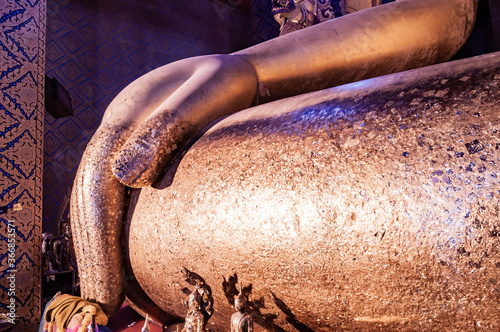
x,y
240,320
153,119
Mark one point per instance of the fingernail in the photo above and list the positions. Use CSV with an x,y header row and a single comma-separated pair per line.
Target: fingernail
x,y
134,163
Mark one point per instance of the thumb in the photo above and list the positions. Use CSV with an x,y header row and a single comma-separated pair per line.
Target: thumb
x,y
151,148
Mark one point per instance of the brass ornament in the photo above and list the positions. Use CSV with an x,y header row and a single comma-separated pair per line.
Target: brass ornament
x,y
294,15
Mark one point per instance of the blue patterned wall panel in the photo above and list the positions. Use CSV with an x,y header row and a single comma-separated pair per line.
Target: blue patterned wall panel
x,y
22,68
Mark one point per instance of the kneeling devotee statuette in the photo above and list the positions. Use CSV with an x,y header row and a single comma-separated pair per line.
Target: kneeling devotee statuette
x,y
240,320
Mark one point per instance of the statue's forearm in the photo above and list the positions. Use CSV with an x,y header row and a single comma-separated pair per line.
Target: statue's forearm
x,y
377,41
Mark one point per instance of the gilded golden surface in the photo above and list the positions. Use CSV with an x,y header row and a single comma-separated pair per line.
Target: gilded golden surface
x,y
148,123
370,206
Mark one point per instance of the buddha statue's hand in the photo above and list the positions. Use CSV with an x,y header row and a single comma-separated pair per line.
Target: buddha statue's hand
x,y
142,129
215,86
152,118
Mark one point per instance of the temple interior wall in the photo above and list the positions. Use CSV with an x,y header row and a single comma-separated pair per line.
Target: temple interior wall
x,y
22,67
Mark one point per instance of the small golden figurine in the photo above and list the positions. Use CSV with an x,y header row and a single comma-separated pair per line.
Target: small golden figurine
x,y
294,15
195,319
200,301
240,320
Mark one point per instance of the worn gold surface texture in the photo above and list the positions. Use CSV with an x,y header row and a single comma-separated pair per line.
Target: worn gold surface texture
x,y
98,245
370,206
384,39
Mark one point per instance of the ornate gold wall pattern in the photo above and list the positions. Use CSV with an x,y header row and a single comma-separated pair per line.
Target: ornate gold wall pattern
x,y
22,70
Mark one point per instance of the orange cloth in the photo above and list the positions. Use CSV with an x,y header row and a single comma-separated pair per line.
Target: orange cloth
x,y
63,308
